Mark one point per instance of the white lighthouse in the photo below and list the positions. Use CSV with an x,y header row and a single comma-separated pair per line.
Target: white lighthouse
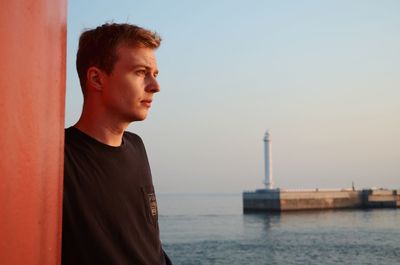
x,y
268,161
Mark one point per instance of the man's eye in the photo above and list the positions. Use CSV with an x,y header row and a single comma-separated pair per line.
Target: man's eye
x,y
141,72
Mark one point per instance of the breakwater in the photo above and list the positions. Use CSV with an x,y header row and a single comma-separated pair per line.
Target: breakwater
x,y
277,200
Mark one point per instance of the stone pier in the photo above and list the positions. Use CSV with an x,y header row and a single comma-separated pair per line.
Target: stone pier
x,y
276,200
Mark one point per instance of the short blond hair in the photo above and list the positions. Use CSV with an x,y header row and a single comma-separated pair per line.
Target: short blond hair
x,y
98,47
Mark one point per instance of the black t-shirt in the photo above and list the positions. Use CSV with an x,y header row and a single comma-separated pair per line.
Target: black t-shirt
x,y
109,210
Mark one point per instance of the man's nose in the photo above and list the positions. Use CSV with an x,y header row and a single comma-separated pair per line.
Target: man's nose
x,y
153,85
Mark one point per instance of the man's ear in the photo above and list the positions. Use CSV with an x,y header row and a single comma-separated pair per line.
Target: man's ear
x,y
94,78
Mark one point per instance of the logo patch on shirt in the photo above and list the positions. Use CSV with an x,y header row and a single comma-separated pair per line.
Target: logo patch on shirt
x,y
153,203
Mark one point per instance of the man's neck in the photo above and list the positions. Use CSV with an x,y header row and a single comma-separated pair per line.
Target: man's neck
x,y
104,135
101,130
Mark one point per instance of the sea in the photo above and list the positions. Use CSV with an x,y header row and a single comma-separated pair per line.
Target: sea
x,y
212,229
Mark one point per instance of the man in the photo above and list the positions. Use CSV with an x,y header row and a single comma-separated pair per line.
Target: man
x,y
110,209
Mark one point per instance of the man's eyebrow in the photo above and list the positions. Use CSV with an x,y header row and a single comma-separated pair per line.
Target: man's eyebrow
x,y
141,65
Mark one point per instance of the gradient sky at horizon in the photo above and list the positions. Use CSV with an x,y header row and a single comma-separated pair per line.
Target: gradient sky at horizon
x,y
322,76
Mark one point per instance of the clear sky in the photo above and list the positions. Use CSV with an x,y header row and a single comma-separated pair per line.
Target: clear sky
x,y
322,76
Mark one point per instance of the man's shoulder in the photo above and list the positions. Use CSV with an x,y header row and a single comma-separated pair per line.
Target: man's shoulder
x,y
68,130
132,137
70,134
132,140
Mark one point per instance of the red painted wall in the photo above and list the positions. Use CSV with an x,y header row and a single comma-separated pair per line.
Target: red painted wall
x,y
32,95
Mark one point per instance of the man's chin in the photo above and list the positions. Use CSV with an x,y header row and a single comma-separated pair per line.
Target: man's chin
x,y
139,117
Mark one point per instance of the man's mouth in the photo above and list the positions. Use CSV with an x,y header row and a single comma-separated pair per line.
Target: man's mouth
x,y
147,103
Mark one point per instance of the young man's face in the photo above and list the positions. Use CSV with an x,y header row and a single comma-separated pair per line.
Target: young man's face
x,y
128,91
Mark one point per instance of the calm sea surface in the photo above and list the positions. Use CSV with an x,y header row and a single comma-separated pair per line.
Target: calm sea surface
x,y
211,229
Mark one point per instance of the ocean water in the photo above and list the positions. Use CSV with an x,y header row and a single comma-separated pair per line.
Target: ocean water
x,y
211,229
